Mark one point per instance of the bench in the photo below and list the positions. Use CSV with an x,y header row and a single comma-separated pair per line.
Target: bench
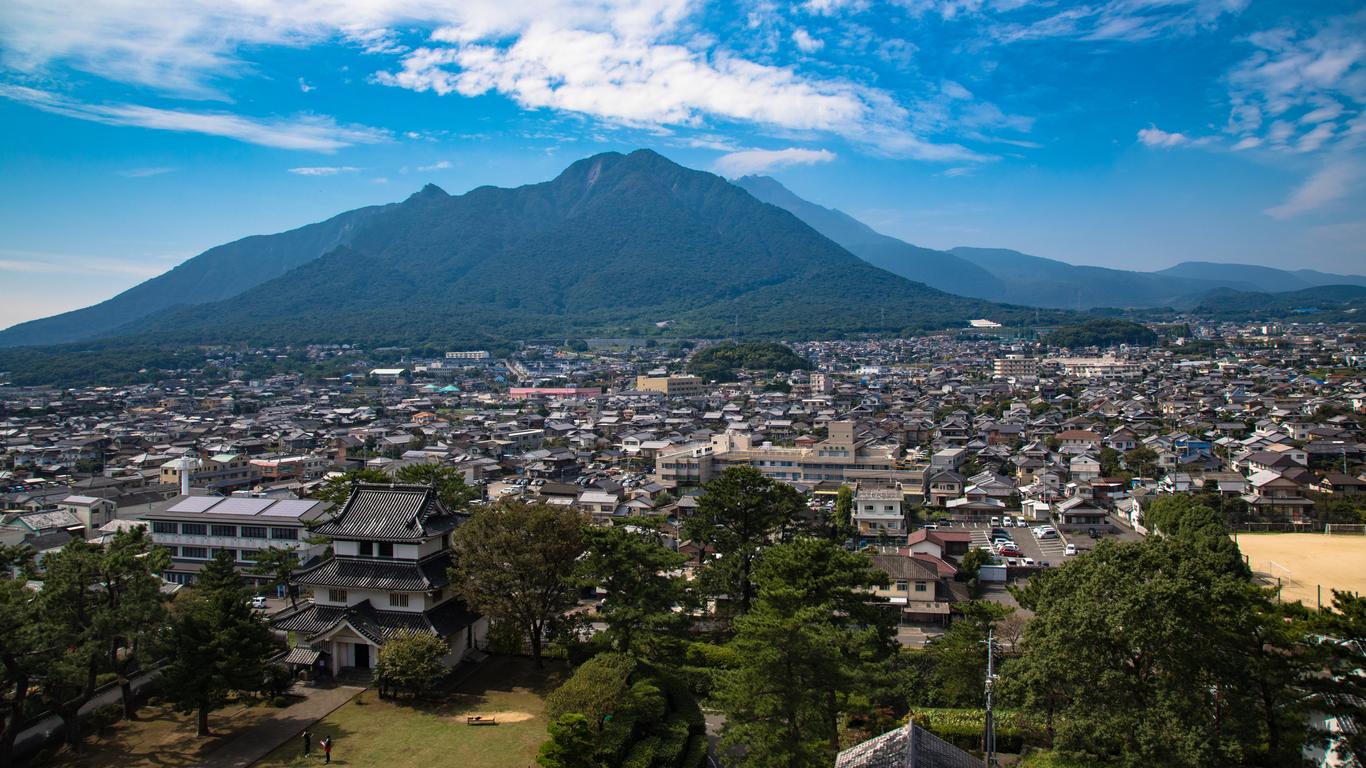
x,y
480,720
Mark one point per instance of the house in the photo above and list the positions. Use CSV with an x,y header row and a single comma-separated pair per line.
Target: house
x,y
1275,495
878,512
944,486
388,576
939,544
1338,483
1078,511
92,511
914,587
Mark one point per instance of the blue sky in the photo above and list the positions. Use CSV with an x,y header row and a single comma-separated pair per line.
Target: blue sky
x,y
1127,133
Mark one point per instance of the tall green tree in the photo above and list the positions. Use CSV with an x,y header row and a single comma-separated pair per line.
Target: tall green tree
x,y
642,583
1344,693
449,483
279,563
1162,652
812,637
26,642
1142,461
516,563
217,644
959,658
133,608
71,602
738,515
842,521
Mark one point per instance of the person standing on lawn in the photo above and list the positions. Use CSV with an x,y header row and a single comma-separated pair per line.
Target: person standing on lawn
x,y
308,742
327,750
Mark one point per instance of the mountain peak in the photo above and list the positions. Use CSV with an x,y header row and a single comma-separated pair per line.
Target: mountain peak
x,y
429,192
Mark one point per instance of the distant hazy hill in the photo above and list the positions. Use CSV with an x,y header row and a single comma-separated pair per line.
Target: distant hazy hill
x,y
937,269
218,273
614,245
1050,283
1319,303
1258,278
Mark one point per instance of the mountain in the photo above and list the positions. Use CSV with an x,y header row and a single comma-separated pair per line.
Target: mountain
x,y
218,273
936,269
1256,278
1041,282
615,245
1320,303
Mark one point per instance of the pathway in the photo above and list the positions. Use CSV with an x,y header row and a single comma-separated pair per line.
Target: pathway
x,y
286,725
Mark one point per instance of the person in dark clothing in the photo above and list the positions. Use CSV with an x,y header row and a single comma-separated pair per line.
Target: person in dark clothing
x,y
327,750
308,742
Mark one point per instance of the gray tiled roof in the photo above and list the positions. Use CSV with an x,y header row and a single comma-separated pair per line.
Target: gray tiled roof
x,y
390,513
376,625
386,575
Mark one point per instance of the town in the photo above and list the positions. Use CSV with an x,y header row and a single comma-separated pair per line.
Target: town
x,y
961,464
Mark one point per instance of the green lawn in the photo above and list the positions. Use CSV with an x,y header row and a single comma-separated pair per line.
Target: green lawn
x,y
401,734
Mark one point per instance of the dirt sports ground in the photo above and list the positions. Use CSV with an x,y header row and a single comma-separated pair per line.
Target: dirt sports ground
x,y
1306,561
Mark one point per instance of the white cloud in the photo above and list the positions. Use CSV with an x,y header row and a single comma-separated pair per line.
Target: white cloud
x,y
634,62
305,132
439,165
32,262
1296,78
1156,137
323,170
139,173
305,87
805,42
1330,183
750,161
1251,142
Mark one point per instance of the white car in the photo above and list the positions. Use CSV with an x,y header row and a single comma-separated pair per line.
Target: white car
x,y
1007,522
1071,550
258,602
1028,562
995,521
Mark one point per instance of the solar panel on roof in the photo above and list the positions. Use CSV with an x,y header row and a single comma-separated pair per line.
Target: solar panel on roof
x,y
241,506
194,504
290,507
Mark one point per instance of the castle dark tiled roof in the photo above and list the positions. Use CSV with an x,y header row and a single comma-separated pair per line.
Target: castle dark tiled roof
x,y
405,513
385,575
376,625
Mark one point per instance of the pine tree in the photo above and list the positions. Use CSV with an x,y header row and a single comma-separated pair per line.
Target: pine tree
x,y
218,645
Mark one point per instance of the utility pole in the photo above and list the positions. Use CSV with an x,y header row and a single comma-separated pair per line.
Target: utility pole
x,y
989,739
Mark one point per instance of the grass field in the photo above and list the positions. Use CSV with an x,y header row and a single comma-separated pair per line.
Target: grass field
x,y
369,731
1306,561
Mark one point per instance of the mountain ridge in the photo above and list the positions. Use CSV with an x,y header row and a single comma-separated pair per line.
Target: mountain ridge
x,y
604,247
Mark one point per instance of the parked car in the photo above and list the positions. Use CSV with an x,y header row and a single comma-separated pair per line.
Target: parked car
x,y
1071,550
1006,522
1028,562
1093,533
995,521
931,526
258,602
999,532
1010,552
1050,534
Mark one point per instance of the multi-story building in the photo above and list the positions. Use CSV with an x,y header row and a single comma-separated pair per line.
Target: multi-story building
x,y
195,528
878,512
839,458
220,472
1015,365
387,576
672,386
1099,367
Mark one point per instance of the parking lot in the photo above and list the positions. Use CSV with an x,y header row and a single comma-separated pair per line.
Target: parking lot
x,y
1047,551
